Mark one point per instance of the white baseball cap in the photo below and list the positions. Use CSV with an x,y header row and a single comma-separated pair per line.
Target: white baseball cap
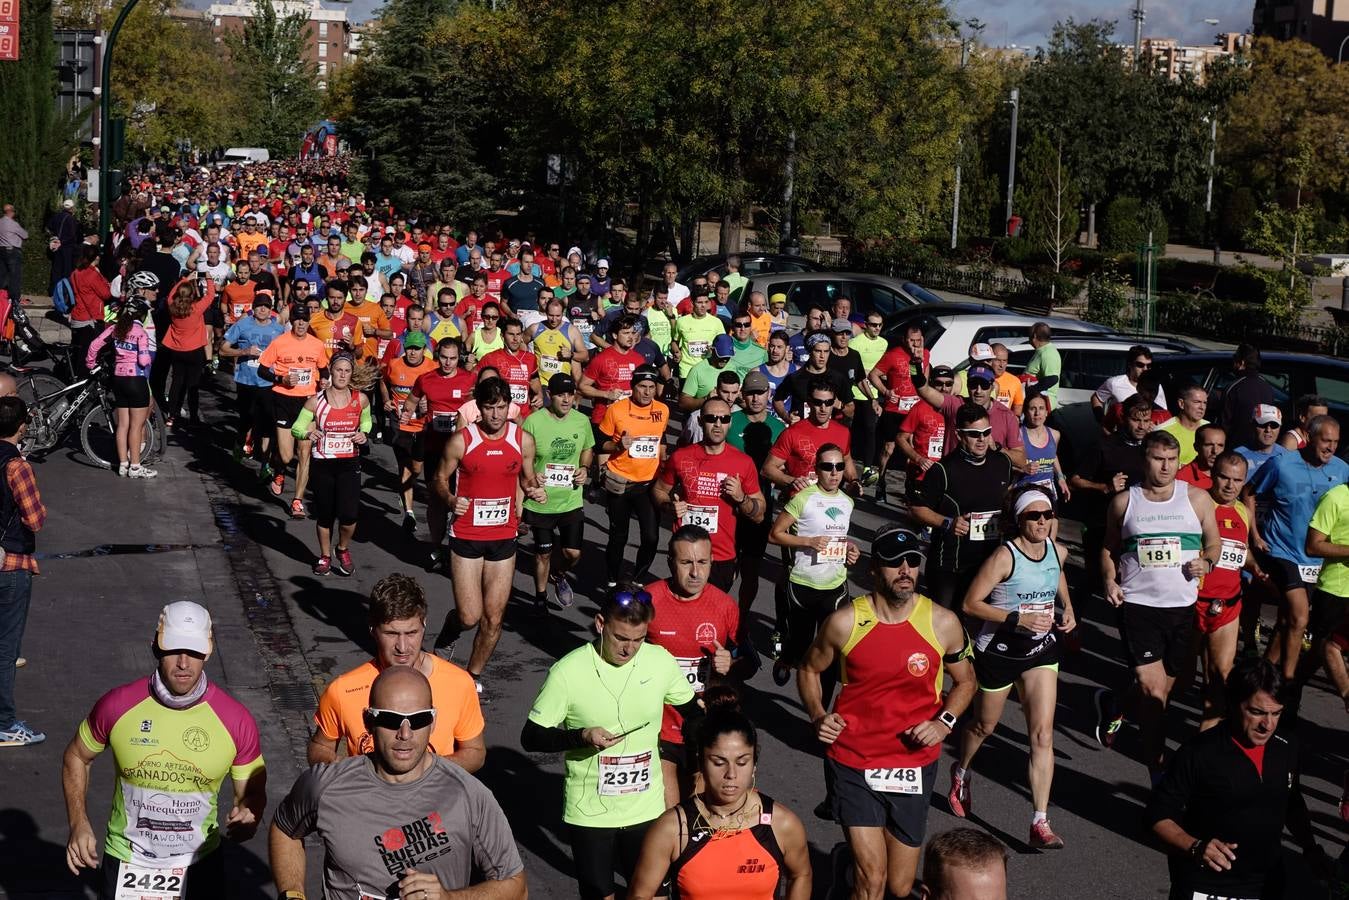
x,y
1264,414
981,352
184,625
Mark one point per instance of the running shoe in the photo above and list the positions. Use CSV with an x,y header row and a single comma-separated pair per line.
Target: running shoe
x,y
277,485
248,444
782,673
297,509
565,597
869,476
1108,717
1042,837
409,521
123,468
824,810
139,471
237,455
959,796
20,735
20,663
342,563
435,560
323,566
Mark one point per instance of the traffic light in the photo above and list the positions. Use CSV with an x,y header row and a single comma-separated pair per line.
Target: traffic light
x,y
114,186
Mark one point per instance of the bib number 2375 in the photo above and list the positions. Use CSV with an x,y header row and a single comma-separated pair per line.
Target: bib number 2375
x,y
629,774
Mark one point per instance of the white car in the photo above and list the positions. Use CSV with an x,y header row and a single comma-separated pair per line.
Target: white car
x,y
950,328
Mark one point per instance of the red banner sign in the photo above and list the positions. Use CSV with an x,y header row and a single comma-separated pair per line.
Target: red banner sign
x,y
9,10
9,30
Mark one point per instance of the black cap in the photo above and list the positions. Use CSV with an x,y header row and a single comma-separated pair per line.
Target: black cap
x,y
299,312
645,372
892,545
561,383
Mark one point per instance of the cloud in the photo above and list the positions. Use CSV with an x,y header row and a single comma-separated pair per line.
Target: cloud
x,y
1028,25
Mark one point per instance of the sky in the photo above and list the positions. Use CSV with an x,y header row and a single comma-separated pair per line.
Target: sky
x,y
1027,23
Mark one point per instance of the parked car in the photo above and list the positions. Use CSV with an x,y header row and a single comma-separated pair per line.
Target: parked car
x,y
751,264
244,155
818,290
1290,375
950,328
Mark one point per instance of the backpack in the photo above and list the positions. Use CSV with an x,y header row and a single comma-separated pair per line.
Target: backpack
x,y
63,296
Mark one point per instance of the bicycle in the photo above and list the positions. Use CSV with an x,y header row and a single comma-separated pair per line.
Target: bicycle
x,y
88,402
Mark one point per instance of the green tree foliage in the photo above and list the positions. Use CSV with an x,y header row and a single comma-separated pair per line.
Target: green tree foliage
x,y
1049,197
1126,223
419,102
279,86
158,81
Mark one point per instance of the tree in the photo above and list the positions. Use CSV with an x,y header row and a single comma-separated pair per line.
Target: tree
x,y
1050,199
280,85
38,141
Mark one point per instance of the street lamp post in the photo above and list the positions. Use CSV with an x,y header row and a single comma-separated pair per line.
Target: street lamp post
x,y
1339,57
1011,153
104,118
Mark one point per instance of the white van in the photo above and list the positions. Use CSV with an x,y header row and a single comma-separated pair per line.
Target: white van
x,y
244,155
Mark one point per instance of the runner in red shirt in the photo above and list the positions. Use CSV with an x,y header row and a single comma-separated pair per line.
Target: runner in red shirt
x,y
494,459
922,435
791,462
608,376
708,483
1209,443
517,365
699,624
496,276
469,310
891,379
442,391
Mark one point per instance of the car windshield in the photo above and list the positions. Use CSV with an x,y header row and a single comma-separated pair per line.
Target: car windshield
x,y
918,292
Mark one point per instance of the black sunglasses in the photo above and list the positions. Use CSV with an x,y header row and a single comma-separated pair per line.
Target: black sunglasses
x,y
975,432
831,466
627,598
1037,515
740,324
711,419
393,720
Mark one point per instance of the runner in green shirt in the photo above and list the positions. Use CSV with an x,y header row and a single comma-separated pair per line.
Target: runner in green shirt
x,y
754,430
748,355
602,704
563,446
660,318
694,333
1045,365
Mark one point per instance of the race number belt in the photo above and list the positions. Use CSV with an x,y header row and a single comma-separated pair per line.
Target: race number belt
x,y
1159,552
143,883
895,781
629,774
705,517
491,511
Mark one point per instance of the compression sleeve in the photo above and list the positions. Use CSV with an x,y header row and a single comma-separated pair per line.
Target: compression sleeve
x,y
536,738
302,422
266,374
367,424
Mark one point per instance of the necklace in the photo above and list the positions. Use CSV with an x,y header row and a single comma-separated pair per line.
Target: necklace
x,y
731,821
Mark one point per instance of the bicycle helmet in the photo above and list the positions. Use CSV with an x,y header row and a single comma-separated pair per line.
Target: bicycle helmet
x,y
143,279
137,307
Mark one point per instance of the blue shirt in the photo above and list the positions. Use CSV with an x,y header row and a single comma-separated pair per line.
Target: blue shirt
x,y
1293,487
249,332
1255,460
388,266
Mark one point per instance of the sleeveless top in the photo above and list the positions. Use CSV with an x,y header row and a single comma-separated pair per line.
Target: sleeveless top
x,y
1032,586
1158,539
489,475
741,865
482,346
338,425
1043,458
1224,582
892,679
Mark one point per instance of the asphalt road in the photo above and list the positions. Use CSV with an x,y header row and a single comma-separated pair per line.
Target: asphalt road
x,y
282,634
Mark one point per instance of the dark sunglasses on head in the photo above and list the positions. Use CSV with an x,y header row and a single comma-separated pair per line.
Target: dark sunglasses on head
x,y
1036,515
831,466
975,432
711,419
393,720
627,598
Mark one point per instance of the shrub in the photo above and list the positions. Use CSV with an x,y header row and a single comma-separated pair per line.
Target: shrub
x,y
1126,223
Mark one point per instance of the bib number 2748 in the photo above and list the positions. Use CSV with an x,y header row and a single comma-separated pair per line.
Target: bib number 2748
x,y
895,781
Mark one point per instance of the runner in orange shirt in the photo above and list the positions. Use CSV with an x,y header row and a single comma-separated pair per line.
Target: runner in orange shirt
x,y
337,328
633,430
294,363
409,443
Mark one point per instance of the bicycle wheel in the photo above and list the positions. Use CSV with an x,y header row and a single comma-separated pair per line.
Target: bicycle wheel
x,y
98,437
36,385
157,437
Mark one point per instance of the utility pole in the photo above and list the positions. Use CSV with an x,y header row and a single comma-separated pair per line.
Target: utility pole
x,y
786,240
1212,153
1011,153
104,126
1138,14
960,149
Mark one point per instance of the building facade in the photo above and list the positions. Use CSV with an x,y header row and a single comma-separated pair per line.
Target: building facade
x,y
329,45
1321,23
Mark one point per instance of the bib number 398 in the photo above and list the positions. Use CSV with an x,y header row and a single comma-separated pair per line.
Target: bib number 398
x,y
142,883
895,781
629,774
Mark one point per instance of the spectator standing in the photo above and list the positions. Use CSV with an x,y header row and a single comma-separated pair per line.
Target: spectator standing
x,y
1243,395
22,515
12,236
65,232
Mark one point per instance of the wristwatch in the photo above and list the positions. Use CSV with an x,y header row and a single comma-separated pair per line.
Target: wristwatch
x,y
947,719
292,895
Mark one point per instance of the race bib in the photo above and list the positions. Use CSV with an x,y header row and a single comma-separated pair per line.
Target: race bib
x,y
907,403
935,444
645,447
334,445
983,526
550,365
705,517
691,667
142,883
251,364
1233,555
381,347
519,394
698,348
303,377
585,326
1159,552
895,781
1309,574
490,512
625,774
442,422
240,310
836,552
1201,895
556,475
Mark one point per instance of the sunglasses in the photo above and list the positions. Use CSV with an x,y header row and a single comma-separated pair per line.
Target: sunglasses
x,y
975,432
393,720
740,324
1267,425
818,401
978,384
1039,515
943,384
490,318
875,324
831,466
913,559
627,598
715,420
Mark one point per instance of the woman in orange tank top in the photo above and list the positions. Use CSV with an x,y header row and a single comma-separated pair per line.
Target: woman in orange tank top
x,y
728,842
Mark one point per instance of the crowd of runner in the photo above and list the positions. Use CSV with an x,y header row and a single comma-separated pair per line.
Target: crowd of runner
x,y
515,379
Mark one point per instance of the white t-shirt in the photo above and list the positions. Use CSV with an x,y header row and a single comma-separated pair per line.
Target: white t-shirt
x,y
677,293
1117,389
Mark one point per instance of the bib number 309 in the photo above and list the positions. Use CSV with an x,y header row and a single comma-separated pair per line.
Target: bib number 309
x,y
895,781
142,883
